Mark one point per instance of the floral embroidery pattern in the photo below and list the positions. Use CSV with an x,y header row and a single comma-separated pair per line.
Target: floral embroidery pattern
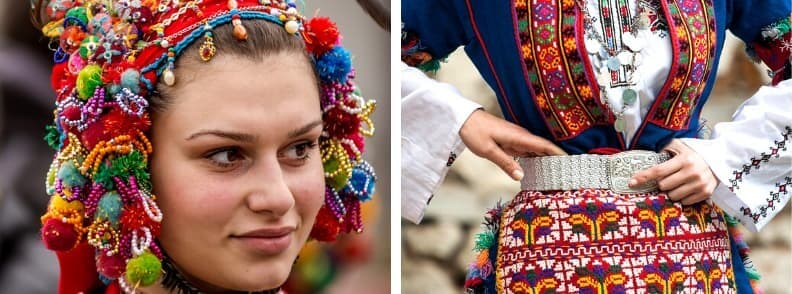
x,y
693,30
595,241
554,64
755,162
664,277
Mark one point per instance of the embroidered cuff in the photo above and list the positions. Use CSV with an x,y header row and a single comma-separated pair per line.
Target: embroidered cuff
x,y
774,48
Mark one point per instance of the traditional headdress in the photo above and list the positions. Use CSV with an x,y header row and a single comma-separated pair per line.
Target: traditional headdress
x,y
102,217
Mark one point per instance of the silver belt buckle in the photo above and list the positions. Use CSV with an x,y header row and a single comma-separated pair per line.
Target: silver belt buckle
x,y
622,166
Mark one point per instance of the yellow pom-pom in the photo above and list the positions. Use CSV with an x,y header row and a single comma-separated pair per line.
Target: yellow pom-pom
x,y
58,203
89,78
143,270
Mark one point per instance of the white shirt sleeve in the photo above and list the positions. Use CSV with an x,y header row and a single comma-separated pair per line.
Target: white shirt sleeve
x,y
752,158
432,114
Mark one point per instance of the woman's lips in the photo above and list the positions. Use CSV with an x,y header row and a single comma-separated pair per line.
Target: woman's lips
x,y
268,241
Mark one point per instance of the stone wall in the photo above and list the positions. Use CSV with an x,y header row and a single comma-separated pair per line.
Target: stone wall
x,y
436,253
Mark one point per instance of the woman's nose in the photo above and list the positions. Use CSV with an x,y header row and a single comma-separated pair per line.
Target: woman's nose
x,y
268,190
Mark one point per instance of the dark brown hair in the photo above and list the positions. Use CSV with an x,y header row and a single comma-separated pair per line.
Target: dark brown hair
x,y
265,38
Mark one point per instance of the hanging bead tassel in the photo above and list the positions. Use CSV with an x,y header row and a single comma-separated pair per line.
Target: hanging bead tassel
x,y
167,76
240,33
207,49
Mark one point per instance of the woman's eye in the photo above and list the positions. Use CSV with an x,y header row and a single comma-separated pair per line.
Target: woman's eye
x,y
299,151
225,157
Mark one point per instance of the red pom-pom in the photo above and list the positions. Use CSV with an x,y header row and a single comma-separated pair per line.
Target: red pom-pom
x,y
358,141
326,227
110,266
133,218
59,74
340,123
322,34
59,236
113,124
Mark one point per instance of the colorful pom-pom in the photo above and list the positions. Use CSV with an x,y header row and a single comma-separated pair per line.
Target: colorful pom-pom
x,y
109,208
130,79
110,266
70,175
323,35
362,182
333,165
88,46
78,14
59,236
334,65
88,80
326,227
143,270
59,204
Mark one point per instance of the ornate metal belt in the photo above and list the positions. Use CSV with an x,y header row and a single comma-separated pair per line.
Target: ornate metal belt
x,y
589,171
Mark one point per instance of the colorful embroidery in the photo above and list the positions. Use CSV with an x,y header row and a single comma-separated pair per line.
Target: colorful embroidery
x,y
628,254
775,198
692,30
755,162
554,65
774,47
413,53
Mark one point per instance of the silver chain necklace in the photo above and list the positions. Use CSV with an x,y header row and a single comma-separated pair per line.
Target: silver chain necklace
x,y
610,59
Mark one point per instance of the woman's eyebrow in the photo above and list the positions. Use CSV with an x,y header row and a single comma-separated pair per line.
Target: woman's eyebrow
x,y
306,128
241,137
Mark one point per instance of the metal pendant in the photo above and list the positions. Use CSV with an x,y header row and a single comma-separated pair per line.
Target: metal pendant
x,y
620,125
629,96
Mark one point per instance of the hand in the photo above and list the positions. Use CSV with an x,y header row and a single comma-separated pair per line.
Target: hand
x,y
685,177
499,141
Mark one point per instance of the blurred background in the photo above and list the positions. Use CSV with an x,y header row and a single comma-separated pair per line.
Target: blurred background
x,y
435,254
354,264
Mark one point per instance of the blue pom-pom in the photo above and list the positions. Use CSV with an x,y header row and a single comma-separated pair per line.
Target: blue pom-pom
x,y
130,79
70,175
334,65
105,280
362,182
109,207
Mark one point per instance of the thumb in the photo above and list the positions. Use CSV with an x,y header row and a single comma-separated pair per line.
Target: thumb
x,y
505,162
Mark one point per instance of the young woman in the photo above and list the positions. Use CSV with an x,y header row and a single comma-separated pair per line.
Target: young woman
x,y
619,87
258,133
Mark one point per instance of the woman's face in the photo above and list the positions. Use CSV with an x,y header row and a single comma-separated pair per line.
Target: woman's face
x,y
237,169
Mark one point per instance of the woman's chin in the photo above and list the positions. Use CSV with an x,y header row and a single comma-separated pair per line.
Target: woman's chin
x,y
264,276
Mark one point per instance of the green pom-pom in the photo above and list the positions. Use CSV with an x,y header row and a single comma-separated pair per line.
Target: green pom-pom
x,y
109,207
430,66
143,270
339,180
88,47
88,80
78,13
70,175
484,241
52,137
132,164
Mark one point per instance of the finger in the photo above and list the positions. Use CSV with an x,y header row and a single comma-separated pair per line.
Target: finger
x,y
525,142
656,172
674,180
695,198
506,162
684,191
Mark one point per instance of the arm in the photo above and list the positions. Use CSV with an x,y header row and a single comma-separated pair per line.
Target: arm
x,y
432,115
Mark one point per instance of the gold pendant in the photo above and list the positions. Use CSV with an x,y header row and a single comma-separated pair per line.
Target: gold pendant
x,y
207,49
